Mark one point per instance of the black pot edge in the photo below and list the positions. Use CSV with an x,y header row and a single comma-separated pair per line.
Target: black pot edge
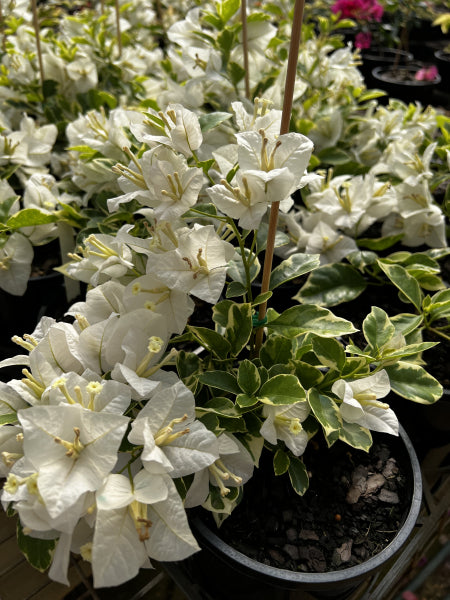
x,y
377,71
355,573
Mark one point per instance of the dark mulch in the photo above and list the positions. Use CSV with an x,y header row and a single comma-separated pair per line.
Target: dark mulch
x,y
353,508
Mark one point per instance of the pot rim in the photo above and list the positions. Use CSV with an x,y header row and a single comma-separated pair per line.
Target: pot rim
x,y
377,73
354,572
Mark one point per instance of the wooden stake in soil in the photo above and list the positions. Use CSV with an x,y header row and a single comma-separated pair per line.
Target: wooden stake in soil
x,y
38,39
284,128
245,46
119,34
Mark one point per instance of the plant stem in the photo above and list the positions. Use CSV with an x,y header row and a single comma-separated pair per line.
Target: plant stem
x,y
38,39
119,34
284,128
245,46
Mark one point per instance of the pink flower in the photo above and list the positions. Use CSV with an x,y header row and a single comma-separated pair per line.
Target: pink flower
x,y
427,73
363,40
407,595
360,10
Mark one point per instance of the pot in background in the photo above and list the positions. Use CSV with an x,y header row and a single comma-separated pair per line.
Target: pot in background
x,y
407,88
378,57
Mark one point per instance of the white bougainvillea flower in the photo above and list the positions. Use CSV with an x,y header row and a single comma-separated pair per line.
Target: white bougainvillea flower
x,y
233,468
90,391
162,180
290,153
151,293
103,258
177,127
263,117
72,449
329,243
38,141
174,442
360,402
132,525
100,132
83,73
198,265
285,423
422,227
16,256
402,159
11,449
100,303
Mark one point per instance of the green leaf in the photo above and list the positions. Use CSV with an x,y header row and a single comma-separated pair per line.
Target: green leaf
x,y
281,462
356,436
294,266
220,380
310,318
39,553
281,390
236,73
332,284
411,381
377,328
403,281
211,340
276,350
235,288
333,156
326,411
246,401
248,377
298,475
281,239
236,269
211,120
239,326
220,406
405,323
261,298
29,217
379,244
226,9
361,258
329,352
308,375
8,419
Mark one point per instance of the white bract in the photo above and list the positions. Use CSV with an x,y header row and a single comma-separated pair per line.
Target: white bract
x,y
361,404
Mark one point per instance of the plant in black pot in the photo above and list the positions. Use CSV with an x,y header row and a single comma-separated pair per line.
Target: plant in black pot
x,y
131,411
403,78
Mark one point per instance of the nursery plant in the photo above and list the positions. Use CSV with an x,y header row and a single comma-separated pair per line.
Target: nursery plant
x,y
165,384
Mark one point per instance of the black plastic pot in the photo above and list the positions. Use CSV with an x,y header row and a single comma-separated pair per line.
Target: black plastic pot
x,y
442,59
408,90
379,57
225,573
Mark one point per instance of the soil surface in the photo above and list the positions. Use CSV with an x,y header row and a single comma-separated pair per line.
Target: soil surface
x,y
353,508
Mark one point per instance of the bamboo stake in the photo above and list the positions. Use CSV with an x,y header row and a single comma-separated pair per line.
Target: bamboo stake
x,y
102,7
245,46
2,28
119,34
284,128
38,39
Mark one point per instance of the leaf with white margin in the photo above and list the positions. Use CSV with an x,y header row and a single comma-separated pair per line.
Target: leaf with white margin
x,y
62,480
170,536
